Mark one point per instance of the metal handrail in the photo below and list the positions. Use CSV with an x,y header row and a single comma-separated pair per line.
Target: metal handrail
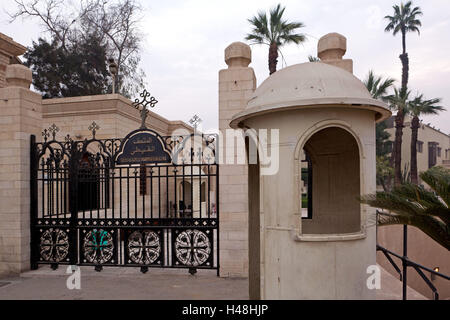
x,y
418,267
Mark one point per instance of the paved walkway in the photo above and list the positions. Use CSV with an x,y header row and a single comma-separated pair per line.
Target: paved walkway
x,y
124,283
130,283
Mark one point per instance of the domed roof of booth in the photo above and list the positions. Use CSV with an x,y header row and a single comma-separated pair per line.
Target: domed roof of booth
x,y
329,82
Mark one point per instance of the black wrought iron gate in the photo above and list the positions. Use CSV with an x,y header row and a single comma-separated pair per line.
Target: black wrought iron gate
x,y
144,200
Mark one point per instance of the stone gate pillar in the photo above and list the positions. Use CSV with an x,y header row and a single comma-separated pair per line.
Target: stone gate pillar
x,y
20,116
236,85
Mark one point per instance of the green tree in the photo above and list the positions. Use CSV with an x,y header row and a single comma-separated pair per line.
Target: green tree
x,y
378,88
410,204
112,25
117,22
417,107
384,171
404,20
275,32
382,139
76,70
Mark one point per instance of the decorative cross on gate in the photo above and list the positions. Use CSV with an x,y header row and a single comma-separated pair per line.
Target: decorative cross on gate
x,y
147,100
93,127
195,121
45,134
53,129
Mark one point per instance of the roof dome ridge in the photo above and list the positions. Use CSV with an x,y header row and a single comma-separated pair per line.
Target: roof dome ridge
x,y
310,84
306,81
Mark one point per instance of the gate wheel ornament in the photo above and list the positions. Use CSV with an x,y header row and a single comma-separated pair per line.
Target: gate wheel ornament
x,y
98,246
192,247
144,247
54,245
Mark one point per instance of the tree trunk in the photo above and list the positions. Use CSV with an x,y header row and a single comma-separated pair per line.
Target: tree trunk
x,y
399,118
414,132
391,164
405,70
273,57
403,41
405,62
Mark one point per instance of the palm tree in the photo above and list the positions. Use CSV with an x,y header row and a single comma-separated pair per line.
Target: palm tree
x,y
404,20
378,87
417,107
399,101
312,58
275,32
410,204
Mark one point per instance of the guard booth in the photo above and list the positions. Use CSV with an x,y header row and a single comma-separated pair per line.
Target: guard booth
x,y
144,200
309,237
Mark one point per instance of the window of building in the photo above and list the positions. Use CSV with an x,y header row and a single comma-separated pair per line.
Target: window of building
x,y
420,146
330,183
432,154
439,152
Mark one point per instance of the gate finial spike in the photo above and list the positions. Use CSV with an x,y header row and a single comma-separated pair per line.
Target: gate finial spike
x,y
147,100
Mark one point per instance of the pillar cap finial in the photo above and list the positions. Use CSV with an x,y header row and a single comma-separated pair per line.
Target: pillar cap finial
x,y
238,54
18,75
332,46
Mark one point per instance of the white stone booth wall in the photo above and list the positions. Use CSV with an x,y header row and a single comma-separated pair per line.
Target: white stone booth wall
x,y
322,110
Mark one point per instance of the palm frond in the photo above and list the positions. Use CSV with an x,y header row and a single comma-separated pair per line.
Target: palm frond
x,y
404,19
434,228
377,86
438,178
419,106
417,206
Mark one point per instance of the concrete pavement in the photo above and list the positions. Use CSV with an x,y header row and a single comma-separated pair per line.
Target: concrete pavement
x,y
129,283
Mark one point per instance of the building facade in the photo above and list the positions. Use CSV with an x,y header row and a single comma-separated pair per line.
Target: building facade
x,y
433,145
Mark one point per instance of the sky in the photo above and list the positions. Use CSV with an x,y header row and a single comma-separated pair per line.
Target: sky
x,y
184,42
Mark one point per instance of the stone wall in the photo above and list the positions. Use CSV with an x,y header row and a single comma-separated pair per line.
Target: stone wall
x,y
112,112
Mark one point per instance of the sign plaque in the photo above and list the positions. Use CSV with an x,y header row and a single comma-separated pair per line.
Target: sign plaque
x,y
143,147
